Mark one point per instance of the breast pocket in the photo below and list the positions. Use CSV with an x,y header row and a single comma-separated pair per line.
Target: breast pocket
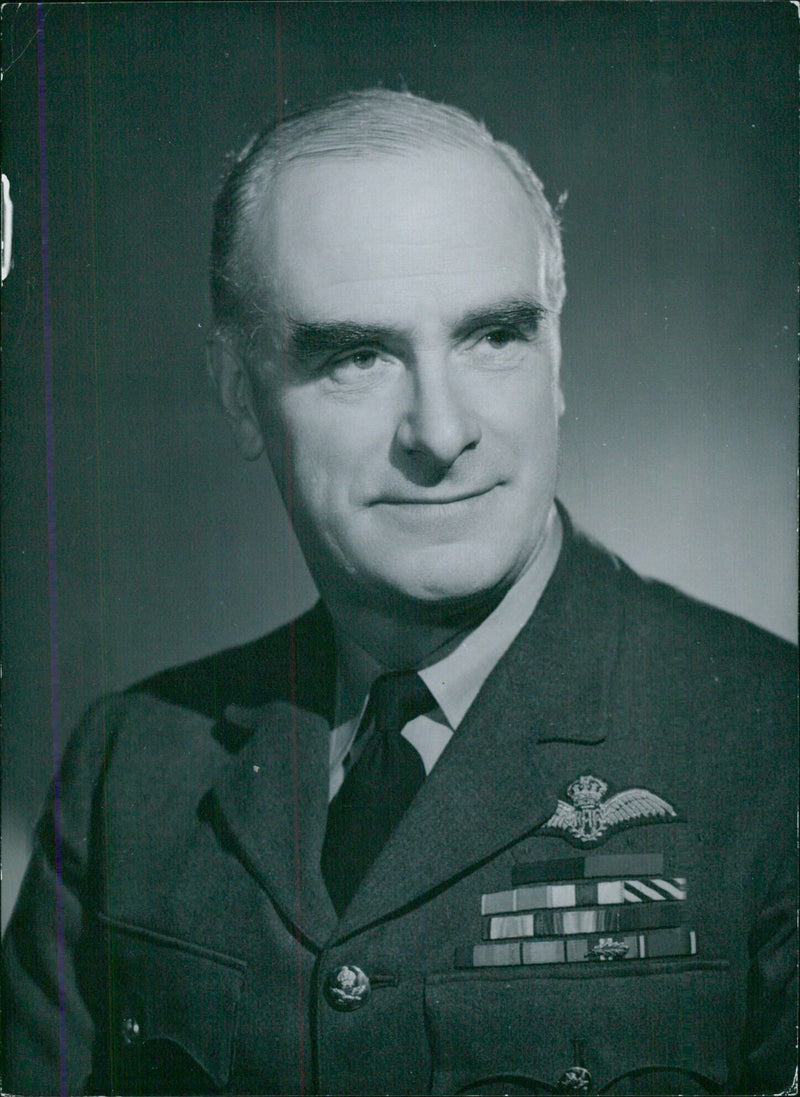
x,y
657,1029
168,1021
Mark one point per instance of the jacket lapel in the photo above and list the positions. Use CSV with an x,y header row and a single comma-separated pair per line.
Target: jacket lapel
x,y
273,798
498,779
273,795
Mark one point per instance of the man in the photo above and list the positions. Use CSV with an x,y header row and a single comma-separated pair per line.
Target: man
x,y
496,815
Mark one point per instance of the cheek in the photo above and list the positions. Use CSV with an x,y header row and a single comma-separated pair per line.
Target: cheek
x,y
316,455
525,414
290,449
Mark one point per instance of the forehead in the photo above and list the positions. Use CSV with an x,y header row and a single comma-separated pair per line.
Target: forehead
x,y
371,237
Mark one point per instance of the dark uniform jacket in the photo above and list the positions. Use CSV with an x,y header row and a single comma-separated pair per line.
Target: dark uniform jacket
x,y
174,934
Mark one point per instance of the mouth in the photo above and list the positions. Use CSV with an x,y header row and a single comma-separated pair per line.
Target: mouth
x,y
437,514
432,500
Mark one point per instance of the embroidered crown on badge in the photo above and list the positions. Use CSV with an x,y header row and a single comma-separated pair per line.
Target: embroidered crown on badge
x,y
586,792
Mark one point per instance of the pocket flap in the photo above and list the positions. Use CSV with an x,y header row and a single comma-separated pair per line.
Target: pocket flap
x,y
169,999
664,1020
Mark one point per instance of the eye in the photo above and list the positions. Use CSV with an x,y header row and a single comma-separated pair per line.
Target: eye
x,y
361,359
501,337
354,361
354,366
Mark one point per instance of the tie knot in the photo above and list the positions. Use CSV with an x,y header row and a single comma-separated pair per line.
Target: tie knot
x,y
397,698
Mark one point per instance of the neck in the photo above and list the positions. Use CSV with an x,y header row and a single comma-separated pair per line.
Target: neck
x,y
399,636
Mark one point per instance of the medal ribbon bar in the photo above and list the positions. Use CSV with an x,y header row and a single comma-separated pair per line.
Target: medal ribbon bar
x,y
558,923
591,865
652,944
584,893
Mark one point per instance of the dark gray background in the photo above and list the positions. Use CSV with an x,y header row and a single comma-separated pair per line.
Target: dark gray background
x,y
672,127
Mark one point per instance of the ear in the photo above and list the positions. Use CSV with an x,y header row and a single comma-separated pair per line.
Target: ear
x,y
230,380
561,407
558,392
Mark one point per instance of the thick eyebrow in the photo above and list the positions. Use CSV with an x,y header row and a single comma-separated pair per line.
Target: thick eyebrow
x,y
306,340
504,314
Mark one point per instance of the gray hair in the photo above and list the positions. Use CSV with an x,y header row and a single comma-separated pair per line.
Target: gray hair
x,y
357,123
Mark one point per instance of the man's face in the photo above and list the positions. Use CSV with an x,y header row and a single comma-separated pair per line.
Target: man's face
x,y
410,410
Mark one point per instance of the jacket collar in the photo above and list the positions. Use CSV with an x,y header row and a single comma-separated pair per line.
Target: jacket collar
x,y
493,784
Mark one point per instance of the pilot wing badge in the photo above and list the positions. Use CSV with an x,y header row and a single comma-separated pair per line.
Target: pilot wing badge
x,y
590,819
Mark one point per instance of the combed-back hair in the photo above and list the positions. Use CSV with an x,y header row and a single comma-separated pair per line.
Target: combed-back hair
x,y
349,126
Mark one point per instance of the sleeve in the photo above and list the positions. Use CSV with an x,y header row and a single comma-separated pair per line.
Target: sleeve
x,y
770,1039
47,1027
771,1033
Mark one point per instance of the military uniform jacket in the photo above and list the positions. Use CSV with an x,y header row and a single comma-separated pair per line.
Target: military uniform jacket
x,y
174,934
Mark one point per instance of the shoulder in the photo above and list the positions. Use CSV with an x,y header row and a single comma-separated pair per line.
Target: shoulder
x,y
294,663
698,673
692,642
677,630
174,721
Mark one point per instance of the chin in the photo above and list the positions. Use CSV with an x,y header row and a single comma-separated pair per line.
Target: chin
x,y
455,579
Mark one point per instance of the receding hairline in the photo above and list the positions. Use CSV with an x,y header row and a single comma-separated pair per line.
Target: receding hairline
x,y
369,125
280,182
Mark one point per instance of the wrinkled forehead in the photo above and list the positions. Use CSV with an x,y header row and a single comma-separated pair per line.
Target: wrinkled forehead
x,y
424,216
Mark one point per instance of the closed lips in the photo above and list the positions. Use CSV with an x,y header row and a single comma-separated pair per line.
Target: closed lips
x,y
429,500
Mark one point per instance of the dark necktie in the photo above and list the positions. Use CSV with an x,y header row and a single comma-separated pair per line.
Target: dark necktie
x,y
377,790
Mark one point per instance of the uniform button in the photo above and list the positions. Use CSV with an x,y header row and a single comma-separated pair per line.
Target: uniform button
x,y
131,1031
575,1080
347,988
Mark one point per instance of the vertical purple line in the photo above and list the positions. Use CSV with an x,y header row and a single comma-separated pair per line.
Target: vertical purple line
x,y
298,892
51,537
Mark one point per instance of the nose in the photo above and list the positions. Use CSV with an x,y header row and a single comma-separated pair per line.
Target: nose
x,y
438,425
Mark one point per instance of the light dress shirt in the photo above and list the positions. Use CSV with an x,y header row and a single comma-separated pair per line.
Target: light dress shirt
x,y
454,680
